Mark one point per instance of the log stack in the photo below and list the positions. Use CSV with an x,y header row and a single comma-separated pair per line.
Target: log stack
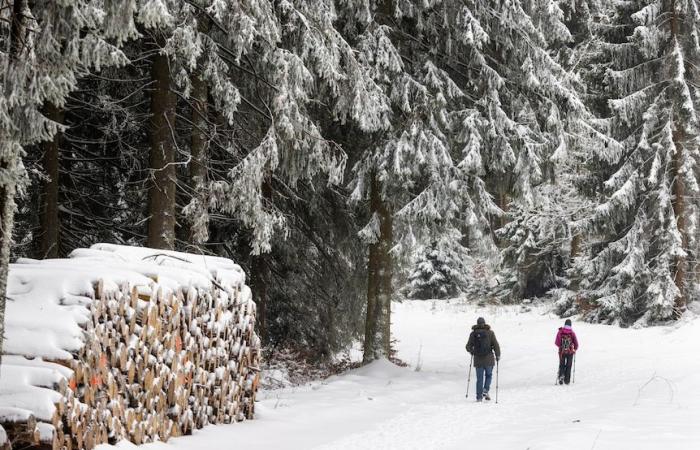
x,y
161,354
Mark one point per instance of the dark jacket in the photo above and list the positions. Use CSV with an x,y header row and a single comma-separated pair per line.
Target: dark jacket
x,y
488,359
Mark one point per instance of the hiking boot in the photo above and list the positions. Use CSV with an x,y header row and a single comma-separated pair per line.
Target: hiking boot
x,y
486,396
561,380
478,400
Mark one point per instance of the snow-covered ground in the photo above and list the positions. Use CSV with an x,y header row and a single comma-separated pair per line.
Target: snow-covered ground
x,y
634,389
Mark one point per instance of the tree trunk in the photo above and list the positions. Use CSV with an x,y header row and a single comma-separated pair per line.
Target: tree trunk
x,y
162,183
503,204
371,318
575,246
9,154
379,287
198,168
49,221
386,272
18,28
260,275
198,147
380,263
679,212
681,262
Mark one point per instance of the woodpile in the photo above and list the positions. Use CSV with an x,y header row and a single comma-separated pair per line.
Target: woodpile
x,y
156,362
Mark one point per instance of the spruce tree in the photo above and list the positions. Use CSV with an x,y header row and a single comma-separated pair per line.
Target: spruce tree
x,y
636,269
540,237
45,47
480,107
441,270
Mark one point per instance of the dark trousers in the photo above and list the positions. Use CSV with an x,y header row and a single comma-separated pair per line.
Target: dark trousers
x,y
565,363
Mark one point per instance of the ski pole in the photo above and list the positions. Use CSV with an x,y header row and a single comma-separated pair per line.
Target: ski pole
x,y
469,377
496,381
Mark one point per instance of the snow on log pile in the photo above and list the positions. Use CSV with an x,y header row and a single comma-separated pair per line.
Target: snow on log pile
x,y
123,342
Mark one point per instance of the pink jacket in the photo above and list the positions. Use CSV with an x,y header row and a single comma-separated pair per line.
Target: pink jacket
x,y
566,330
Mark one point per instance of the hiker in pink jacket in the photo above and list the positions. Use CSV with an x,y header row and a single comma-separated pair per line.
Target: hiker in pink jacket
x,y
568,344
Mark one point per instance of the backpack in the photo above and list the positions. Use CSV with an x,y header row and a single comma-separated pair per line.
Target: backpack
x,y
482,343
567,344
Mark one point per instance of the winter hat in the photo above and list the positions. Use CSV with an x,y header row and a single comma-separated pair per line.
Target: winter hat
x,y
480,321
568,322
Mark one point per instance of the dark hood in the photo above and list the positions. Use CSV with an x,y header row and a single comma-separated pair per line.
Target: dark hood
x,y
481,327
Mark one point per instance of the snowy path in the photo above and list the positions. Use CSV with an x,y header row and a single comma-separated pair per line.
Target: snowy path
x,y
635,389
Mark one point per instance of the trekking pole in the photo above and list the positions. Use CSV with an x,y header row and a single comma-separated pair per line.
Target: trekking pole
x,y
496,381
469,377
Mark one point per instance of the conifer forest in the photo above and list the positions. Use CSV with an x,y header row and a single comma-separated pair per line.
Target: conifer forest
x,y
350,152
319,214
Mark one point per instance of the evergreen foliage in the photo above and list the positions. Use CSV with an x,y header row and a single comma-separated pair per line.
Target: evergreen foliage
x,y
440,271
323,143
638,265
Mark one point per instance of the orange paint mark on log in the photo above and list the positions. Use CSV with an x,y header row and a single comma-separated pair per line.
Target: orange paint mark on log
x,y
96,380
72,384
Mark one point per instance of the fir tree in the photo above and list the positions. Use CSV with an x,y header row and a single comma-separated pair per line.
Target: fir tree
x,y
480,108
637,267
440,271
46,46
541,237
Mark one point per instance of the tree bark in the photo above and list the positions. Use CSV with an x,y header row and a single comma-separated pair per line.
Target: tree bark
x,y
17,28
371,318
379,280
681,263
575,246
200,91
679,213
162,183
49,220
386,272
260,275
8,166
380,262
503,204
198,143
259,278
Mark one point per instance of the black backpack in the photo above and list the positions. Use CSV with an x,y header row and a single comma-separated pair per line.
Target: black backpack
x,y
482,342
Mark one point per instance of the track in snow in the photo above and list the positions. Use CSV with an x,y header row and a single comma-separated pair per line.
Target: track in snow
x,y
634,389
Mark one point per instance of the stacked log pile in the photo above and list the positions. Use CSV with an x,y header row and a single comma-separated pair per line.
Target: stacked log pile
x,y
157,359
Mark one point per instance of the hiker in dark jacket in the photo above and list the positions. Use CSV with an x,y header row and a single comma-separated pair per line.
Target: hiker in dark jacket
x,y
568,344
483,345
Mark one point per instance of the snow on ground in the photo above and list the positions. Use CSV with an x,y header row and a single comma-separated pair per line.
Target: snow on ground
x,y
634,388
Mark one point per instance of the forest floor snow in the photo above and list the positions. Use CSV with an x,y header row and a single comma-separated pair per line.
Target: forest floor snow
x,y
634,389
